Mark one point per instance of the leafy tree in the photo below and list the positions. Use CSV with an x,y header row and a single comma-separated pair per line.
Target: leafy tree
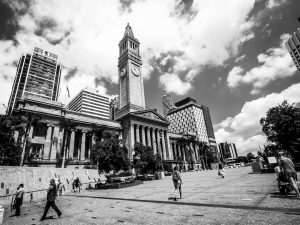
x,y
282,128
10,150
108,154
144,158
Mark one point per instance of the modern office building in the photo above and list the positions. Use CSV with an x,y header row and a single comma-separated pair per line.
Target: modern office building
x,y
227,150
209,126
293,46
168,104
89,102
188,117
38,74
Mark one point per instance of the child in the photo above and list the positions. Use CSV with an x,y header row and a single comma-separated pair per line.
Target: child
x,y
177,182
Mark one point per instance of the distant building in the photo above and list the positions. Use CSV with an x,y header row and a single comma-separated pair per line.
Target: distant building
x,y
293,46
227,150
168,104
89,102
209,126
38,74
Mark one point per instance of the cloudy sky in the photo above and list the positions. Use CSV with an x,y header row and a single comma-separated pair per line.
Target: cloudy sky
x,y
227,54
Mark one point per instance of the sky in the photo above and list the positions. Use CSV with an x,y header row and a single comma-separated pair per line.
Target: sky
x,y
227,54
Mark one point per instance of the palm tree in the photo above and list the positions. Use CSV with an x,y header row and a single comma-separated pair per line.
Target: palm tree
x,y
68,124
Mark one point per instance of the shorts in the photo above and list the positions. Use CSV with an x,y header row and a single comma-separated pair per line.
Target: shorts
x,y
292,174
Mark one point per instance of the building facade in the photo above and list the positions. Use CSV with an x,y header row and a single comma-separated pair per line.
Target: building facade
x,y
89,102
38,73
227,150
188,118
293,46
68,132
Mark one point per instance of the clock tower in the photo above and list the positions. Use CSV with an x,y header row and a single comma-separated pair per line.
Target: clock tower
x,y
131,86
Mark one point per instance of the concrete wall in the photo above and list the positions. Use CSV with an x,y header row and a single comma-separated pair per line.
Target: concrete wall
x,y
36,180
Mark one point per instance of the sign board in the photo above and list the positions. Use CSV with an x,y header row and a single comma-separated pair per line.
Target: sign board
x,y
45,53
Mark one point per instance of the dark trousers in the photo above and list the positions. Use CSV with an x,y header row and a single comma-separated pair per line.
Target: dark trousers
x,y
52,204
18,206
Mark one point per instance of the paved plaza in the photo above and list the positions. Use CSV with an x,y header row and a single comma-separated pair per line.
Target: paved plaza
x,y
240,198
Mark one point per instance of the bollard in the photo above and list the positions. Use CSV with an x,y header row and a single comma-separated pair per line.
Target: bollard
x,y
1,214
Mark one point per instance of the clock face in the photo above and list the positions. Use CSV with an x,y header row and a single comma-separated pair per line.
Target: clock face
x,y
123,72
136,71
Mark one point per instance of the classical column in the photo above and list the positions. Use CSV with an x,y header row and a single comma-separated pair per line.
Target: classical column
x,y
55,144
132,141
72,142
148,136
93,139
16,135
82,149
137,133
178,151
143,135
154,141
31,132
169,152
173,149
47,144
163,140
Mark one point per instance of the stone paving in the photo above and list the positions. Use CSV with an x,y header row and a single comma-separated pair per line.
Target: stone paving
x,y
240,198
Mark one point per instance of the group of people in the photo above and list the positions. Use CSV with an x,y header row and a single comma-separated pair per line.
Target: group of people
x,y
54,190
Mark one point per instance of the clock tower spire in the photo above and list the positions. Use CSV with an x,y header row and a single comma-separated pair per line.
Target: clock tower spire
x,y
131,86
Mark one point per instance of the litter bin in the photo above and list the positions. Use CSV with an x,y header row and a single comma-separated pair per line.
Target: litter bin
x,y
1,214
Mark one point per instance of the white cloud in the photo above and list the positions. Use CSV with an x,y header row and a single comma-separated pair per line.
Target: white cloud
x,y
90,31
275,3
275,64
172,83
244,128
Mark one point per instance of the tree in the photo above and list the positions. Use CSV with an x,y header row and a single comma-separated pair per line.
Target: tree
x,y
282,128
68,125
144,158
10,150
108,154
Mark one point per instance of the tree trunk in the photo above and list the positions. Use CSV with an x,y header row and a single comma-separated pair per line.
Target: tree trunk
x,y
24,145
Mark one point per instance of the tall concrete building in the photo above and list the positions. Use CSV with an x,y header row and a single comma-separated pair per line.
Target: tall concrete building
x,y
38,73
227,150
188,117
293,46
209,126
168,104
89,102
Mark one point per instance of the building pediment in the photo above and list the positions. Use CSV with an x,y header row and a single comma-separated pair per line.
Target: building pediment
x,y
150,114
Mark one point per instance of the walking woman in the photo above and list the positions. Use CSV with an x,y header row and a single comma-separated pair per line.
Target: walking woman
x,y
221,170
177,182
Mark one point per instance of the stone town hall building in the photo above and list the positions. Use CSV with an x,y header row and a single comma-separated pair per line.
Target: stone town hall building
x,y
35,91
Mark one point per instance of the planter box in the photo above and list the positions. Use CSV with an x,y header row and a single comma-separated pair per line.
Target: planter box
x,y
119,185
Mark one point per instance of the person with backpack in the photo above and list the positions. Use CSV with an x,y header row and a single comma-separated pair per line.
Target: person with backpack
x,y
177,183
51,196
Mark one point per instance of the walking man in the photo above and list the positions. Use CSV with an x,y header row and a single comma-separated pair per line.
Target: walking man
x,y
51,195
19,199
177,183
287,166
